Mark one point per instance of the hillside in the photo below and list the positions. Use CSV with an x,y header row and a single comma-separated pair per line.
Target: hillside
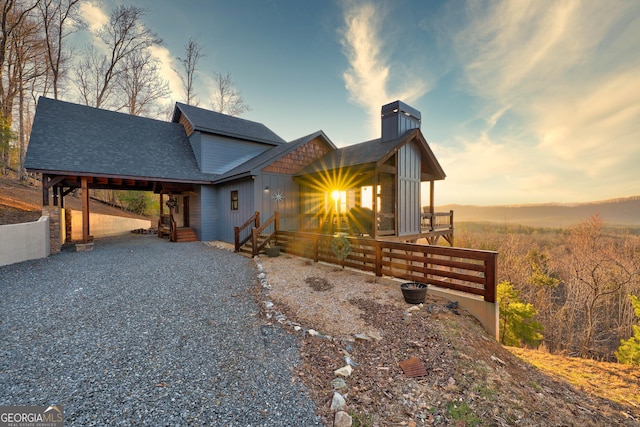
x,y
472,381
21,202
615,212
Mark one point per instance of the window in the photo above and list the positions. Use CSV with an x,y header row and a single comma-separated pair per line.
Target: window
x,y
234,200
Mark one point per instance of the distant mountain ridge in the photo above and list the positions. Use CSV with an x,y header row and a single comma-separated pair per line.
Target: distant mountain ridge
x,y
614,212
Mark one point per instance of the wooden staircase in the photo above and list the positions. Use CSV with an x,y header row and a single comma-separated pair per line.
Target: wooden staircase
x,y
185,234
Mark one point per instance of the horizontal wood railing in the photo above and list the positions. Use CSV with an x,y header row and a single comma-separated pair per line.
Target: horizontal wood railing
x,y
466,270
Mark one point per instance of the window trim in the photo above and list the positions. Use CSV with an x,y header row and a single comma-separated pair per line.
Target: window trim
x,y
235,200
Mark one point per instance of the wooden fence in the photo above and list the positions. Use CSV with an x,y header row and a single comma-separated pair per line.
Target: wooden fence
x,y
467,270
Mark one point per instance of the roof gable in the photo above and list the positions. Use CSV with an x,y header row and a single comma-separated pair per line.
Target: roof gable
x,y
212,122
287,158
72,138
369,154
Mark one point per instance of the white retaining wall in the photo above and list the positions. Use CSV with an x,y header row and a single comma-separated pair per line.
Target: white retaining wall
x,y
105,225
22,242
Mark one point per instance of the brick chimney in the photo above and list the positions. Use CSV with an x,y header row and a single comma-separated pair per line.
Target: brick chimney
x,y
397,118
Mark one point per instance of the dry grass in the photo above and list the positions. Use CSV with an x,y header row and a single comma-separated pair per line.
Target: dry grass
x,y
611,381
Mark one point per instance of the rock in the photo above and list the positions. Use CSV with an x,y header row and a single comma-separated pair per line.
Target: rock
x,y
414,308
313,332
361,337
376,336
349,361
338,403
342,419
261,276
406,318
344,371
338,383
268,304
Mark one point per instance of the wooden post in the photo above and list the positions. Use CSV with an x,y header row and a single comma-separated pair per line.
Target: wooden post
x,y
45,190
378,258
490,277
85,210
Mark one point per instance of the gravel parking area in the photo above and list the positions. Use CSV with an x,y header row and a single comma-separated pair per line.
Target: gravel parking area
x,y
141,331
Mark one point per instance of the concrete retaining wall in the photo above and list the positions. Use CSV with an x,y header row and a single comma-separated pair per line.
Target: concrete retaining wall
x,y
105,225
22,242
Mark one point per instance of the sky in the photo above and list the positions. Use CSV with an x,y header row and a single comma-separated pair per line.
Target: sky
x,y
521,101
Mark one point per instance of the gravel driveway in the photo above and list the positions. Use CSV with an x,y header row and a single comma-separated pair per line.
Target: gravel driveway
x,y
141,331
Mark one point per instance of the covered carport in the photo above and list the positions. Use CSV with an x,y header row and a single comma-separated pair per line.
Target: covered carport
x,y
79,147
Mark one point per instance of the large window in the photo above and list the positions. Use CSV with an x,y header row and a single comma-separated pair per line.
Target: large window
x,y
234,200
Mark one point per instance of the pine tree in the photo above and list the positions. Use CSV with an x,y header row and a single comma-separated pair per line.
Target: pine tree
x,y
629,350
517,327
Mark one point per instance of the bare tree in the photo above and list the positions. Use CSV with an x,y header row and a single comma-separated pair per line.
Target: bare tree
x,y
16,33
226,99
13,15
141,85
29,50
122,36
57,15
193,54
598,272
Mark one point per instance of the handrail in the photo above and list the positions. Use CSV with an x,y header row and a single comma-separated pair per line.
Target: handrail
x,y
437,220
255,221
256,232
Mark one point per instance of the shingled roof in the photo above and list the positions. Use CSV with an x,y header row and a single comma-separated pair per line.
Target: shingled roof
x,y
75,139
222,124
367,154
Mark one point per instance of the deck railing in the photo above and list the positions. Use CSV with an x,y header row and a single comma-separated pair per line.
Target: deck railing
x,y
465,270
437,221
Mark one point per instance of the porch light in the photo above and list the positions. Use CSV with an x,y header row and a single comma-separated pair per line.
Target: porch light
x,y
266,189
335,195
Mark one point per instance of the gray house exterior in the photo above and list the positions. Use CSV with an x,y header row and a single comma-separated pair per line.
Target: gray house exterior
x,y
220,170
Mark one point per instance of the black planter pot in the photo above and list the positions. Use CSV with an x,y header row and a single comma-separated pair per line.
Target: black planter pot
x,y
273,251
414,292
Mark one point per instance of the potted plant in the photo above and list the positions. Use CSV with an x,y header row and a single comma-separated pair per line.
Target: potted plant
x,y
414,292
341,247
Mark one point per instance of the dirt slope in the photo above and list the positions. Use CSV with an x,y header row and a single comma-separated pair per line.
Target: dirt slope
x,y
21,202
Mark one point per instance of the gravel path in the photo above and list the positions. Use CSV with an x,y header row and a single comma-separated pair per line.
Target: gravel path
x,y
141,331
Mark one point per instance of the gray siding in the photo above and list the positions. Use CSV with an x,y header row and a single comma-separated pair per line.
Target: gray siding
x,y
408,189
220,154
196,142
208,213
229,219
195,209
289,190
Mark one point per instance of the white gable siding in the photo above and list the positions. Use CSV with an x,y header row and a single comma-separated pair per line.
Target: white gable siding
x,y
220,154
409,189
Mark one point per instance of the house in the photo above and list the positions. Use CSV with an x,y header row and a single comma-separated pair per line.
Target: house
x,y
216,171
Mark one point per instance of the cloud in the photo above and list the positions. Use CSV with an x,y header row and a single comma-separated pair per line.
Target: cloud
x,y
166,69
569,74
93,16
369,76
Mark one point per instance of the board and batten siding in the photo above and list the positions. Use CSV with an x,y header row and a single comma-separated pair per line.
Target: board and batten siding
x,y
228,219
220,154
205,213
408,189
289,190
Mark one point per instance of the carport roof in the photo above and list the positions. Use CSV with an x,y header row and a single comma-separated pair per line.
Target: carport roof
x,y
75,139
